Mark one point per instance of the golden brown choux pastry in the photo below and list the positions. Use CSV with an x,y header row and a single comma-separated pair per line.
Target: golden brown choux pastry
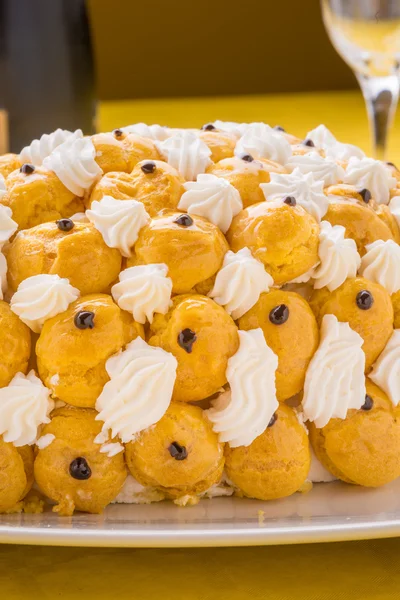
x,y
221,143
291,331
67,248
192,248
36,195
120,151
355,211
117,184
396,309
180,455
74,346
365,305
276,464
364,447
202,337
246,174
389,219
158,185
9,163
16,475
285,238
15,345
71,470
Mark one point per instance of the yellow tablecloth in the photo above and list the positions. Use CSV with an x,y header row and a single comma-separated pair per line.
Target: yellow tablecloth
x,y
340,571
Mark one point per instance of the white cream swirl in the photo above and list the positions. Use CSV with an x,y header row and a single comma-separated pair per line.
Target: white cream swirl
x,y
41,297
241,415
381,264
187,153
339,258
236,129
39,149
74,164
154,132
394,207
372,175
386,370
262,141
3,187
7,225
119,222
323,169
213,198
143,291
240,282
335,380
325,140
308,193
139,392
25,404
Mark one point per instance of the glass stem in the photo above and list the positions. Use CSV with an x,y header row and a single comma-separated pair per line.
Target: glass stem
x,y
381,95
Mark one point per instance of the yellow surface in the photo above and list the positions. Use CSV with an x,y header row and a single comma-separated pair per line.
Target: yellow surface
x,y
343,112
353,570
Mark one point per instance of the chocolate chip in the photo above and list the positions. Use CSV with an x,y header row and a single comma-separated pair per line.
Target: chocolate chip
x,y
65,224
79,469
27,169
279,315
309,143
148,167
247,157
364,300
368,404
365,195
208,127
390,164
177,451
290,200
84,319
273,420
279,128
184,221
186,339
118,133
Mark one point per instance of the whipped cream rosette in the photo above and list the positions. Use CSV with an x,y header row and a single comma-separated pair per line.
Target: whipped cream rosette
x,y
119,221
240,415
154,132
394,207
187,153
262,141
323,169
144,290
381,264
373,175
339,258
39,149
326,141
25,404
240,282
7,225
335,380
3,187
41,297
236,129
307,192
213,198
74,164
386,370
139,392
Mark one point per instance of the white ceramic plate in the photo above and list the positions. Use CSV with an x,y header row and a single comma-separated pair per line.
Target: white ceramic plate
x,y
330,512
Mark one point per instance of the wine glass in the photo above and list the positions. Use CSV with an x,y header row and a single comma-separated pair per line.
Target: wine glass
x,y
366,33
